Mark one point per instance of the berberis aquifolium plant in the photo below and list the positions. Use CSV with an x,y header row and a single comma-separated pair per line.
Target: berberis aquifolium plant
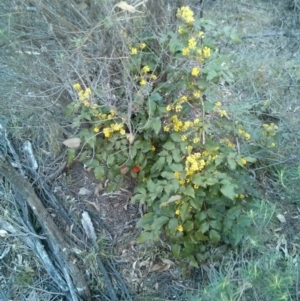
x,y
181,147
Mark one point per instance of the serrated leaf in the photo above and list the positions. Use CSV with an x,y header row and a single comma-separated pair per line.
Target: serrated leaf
x,y
237,234
200,236
228,191
169,145
214,236
172,224
232,164
172,199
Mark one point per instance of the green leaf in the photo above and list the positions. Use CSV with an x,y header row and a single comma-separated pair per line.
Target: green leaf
x,y
204,227
200,236
189,190
163,153
214,236
168,175
184,211
244,221
193,262
144,236
231,163
99,173
110,160
145,220
172,225
176,167
156,125
212,213
250,159
71,156
228,191
151,186
169,145
176,250
199,180
176,155
237,233
159,222
188,226
176,137
215,224
155,96
233,212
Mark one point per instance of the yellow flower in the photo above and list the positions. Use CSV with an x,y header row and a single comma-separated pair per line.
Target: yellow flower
x,y
142,46
185,14
196,140
166,128
192,43
241,132
177,175
177,212
122,132
133,51
218,104
195,71
273,144
183,98
222,113
185,51
143,82
241,196
183,137
107,132
153,148
201,34
180,228
112,112
77,87
116,127
96,129
247,136
206,52
153,77
196,121
180,30
197,94
189,148
196,186
168,108
181,182
178,108
244,161
146,69
103,116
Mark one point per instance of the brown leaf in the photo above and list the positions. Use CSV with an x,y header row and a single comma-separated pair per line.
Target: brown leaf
x,y
72,142
158,267
98,189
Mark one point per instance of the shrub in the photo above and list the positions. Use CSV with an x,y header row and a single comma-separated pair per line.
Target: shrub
x,y
182,148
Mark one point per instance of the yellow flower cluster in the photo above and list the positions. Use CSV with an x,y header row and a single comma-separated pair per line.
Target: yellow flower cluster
x,y
180,228
194,163
179,125
228,143
192,43
83,95
133,51
115,127
195,71
270,129
206,52
243,133
219,111
186,15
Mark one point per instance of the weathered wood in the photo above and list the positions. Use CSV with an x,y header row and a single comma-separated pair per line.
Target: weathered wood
x,y
59,245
